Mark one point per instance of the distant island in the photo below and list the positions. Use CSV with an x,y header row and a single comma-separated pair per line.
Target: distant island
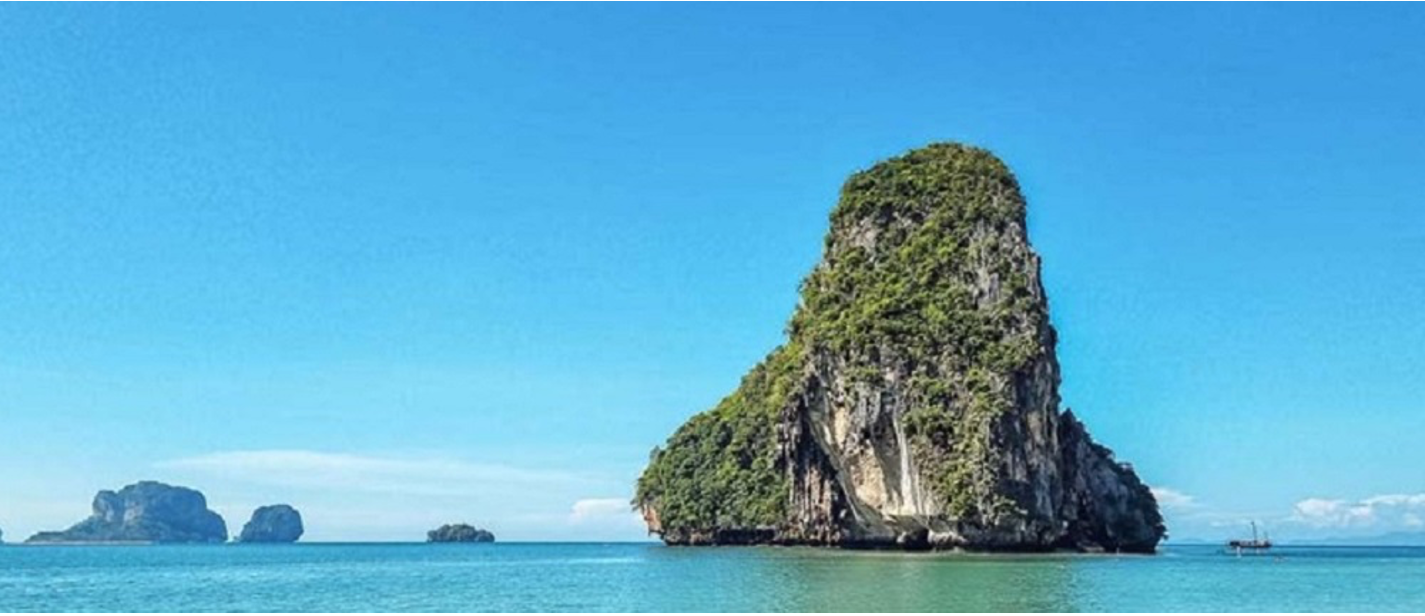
x,y
145,512
155,512
915,403
459,533
272,524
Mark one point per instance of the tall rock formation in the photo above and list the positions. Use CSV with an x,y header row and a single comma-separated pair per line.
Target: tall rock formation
x,y
148,512
272,524
915,402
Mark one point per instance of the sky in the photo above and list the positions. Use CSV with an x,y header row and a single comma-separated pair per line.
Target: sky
x,y
402,265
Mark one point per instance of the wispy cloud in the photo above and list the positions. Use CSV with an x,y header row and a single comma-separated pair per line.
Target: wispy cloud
x,y
1383,512
430,476
597,509
1173,499
606,518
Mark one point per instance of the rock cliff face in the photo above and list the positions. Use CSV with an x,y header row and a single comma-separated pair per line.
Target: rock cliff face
x,y
273,524
459,533
147,511
916,401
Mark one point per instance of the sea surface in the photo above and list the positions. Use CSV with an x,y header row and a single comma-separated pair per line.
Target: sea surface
x,y
650,577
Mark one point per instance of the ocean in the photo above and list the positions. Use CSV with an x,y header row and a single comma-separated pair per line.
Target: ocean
x,y
650,577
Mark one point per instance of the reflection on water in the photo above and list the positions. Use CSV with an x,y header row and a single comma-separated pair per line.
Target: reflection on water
x,y
830,581
644,577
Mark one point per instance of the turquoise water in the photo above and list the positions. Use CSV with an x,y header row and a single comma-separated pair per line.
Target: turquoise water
x,y
647,577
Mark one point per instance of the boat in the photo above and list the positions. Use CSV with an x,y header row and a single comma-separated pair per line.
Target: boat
x,y
1255,543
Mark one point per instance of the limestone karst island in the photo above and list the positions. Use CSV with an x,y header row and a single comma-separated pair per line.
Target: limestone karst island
x,y
145,512
915,402
273,524
155,512
459,533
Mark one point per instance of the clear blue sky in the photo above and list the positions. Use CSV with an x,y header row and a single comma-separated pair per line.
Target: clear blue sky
x,y
404,264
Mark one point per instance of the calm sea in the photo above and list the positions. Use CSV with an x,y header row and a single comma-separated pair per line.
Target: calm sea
x,y
647,577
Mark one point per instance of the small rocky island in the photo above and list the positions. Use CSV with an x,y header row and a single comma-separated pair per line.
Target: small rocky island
x,y
272,524
145,512
915,402
459,533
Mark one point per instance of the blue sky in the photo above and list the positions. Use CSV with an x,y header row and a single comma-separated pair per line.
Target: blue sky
x,y
407,264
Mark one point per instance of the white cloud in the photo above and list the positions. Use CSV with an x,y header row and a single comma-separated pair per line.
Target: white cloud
x,y
430,476
1318,508
1383,512
606,517
1173,499
594,508
1408,500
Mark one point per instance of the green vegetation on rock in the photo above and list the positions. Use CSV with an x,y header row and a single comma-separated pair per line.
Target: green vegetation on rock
x,y
904,283
918,226
720,470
